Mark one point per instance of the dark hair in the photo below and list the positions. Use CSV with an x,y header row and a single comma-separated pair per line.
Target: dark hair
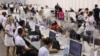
x,y
21,4
86,9
4,13
79,9
9,15
21,23
96,5
47,41
82,13
60,9
71,10
90,13
20,31
42,7
54,23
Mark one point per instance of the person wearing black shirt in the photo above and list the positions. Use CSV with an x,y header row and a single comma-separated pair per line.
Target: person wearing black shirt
x,y
96,13
57,7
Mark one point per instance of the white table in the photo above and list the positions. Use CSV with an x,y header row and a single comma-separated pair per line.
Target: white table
x,y
62,40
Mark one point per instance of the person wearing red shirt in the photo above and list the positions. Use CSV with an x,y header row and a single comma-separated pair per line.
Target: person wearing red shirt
x,y
54,26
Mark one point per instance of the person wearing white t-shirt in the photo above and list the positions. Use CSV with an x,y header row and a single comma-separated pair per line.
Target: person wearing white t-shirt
x,y
44,50
19,41
8,41
80,19
86,13
46,12
90,22
35,7
21,25
3,19
16,8
11,7
90,26
72,15
21,9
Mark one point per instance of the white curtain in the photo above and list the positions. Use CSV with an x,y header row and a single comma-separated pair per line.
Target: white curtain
x,y
20,1
66,4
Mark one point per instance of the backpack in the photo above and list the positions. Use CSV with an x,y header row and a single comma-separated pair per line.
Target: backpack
x,y
74,35
28,26
56,45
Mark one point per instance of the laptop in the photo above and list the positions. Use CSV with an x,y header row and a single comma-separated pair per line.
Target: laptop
x,y
75,48
52,35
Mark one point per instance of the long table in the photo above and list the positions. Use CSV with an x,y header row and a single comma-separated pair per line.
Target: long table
x,y
64,42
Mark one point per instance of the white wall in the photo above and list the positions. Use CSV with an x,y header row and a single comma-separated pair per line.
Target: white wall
x,y
6,1
9,1
22,1
66,4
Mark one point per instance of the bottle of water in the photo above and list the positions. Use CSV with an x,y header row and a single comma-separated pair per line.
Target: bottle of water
x,y
66,51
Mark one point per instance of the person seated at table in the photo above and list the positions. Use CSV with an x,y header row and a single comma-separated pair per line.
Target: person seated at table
x,y
19,41
44,50
54,26
21,25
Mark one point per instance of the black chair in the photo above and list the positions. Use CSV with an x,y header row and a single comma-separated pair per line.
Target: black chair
x,y
19,51
72,34
1,27
97,41
28,26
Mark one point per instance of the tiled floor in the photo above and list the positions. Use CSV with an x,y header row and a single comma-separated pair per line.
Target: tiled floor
x,y
2,47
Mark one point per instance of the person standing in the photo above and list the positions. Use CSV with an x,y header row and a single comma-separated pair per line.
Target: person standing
x,y
11,7
96,11
60,14
90,26
8,41
86,13
56,9
3,18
